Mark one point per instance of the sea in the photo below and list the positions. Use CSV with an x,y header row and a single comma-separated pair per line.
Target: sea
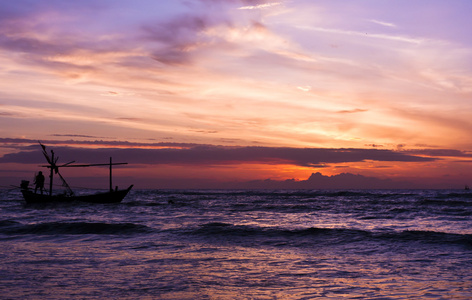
x,y
240,244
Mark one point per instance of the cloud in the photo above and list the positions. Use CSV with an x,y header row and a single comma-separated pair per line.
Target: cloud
x,y
7,114
176,38
440,152
238,2
351,111
188,154
215,35
76,135
386,24
62,37
306,88
261,6
319,181
397,38
101,143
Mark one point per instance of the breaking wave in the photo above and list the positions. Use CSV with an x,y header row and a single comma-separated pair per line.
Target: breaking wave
x,y
241,233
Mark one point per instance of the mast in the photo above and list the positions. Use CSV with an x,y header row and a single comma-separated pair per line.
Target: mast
x,y
51,175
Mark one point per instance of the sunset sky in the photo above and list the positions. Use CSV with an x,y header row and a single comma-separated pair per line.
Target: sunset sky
x,y
238,90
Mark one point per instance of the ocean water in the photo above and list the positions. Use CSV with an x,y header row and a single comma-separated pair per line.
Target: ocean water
x,y
202,244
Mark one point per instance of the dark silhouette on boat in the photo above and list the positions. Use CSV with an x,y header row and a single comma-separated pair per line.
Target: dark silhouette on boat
x,y
111,196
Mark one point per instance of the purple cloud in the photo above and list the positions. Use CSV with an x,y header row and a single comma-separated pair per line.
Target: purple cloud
x,y
191,154
439,152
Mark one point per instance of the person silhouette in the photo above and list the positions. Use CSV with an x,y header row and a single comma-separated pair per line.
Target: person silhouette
x,y
39,182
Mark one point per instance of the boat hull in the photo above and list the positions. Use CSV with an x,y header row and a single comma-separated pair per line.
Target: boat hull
x,y
106,197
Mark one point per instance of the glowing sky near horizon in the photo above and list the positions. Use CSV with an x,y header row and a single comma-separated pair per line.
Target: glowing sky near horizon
x,y
296,73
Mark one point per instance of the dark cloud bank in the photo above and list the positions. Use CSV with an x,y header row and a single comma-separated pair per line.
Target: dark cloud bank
x,y
193,155
207,155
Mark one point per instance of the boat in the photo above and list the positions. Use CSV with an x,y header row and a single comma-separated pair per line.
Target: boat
x,y
32,196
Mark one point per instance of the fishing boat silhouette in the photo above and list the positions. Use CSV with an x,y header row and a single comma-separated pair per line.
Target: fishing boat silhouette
x,y
111,196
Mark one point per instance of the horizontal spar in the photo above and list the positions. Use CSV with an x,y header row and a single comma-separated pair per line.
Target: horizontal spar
x,y
89,165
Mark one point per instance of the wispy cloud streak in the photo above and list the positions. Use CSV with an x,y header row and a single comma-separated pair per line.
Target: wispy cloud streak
x,y
260,6
386,24
365,34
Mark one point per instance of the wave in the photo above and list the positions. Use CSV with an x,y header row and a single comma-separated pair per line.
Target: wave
x,y
463,195
430,237
446,202
295,193
238,233
226,229
52,228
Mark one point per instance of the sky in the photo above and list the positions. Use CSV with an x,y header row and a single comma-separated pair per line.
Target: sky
x,y
238,90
